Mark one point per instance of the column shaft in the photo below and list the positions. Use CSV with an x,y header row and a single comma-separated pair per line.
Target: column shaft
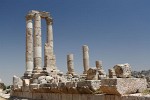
x,y
50,57
29,45
85,58
98,65
70,64
37,43
46,55
50,34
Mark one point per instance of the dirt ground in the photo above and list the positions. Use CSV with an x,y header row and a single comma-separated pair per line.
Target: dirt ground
x,y
2,98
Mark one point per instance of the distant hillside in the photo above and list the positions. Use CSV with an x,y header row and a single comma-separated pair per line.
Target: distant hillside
x,y
141,74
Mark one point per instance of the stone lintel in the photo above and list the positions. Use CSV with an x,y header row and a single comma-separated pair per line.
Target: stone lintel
x,y
43,14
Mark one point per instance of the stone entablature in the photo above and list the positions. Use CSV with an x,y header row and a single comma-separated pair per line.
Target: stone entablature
x,y
43,14
121,86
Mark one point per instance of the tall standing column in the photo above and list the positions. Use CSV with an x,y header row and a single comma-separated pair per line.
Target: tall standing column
x,y
29,46
50,34
37,43
70,64
85,58
51,57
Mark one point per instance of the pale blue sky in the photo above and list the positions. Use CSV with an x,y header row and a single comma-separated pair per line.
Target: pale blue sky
x,y
116,31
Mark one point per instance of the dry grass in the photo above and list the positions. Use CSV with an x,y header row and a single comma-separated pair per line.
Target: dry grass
x,y
145,92
3,99
98,91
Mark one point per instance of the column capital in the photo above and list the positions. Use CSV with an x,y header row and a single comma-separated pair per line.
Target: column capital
x,y
29,17
37,17
85,48
49,20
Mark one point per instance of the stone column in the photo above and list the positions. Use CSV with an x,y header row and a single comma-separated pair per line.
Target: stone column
x,y
37,43
50,34
85,58
70,64
51,57
29,46
46,56
112,73
98,65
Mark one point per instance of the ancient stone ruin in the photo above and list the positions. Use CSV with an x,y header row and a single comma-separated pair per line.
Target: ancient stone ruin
x,y
48,83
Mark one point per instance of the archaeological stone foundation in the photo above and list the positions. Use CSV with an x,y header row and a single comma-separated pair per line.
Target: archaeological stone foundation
x,y
48,83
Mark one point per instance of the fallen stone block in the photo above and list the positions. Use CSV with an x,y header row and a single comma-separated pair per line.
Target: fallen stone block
x,y
62,87
54,88
120,86
72,87
88,86
122,70
92,74
34,87
17,82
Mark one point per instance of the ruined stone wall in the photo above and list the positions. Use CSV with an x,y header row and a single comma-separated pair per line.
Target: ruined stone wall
x,y
59,96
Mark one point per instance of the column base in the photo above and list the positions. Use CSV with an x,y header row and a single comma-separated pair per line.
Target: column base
x,y
27,74
47,70
72,73
36,75
37,70
85,72
83,76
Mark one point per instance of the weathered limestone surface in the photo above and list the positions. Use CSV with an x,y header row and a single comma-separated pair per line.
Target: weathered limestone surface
x,y
92,74
88,86
101,72
37,44
72,87
25,87
46,55
50,60
120,86
70,64
43,14
60,96
85,58
50,33
17,83
49,57
84,87
122,70
29,46
98,65
96,73
112,73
